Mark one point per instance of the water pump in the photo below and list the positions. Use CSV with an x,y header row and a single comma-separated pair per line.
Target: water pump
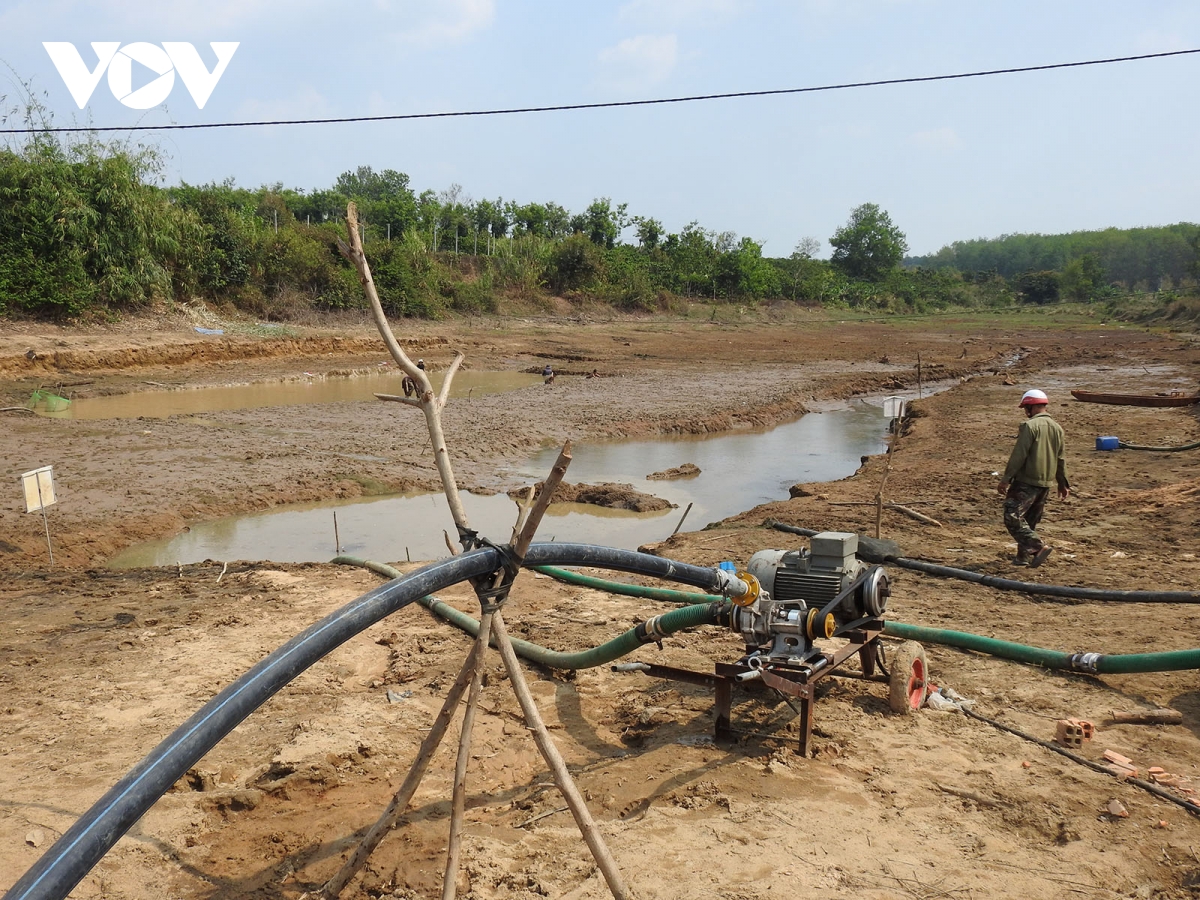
x,y
806,595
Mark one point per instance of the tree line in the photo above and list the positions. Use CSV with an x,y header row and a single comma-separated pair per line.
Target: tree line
x,y
1082,265
85,229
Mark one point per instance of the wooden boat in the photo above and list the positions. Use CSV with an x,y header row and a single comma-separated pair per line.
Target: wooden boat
x,y
1172,399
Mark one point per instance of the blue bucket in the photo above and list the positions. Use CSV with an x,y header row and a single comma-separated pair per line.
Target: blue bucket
x,y
1107,443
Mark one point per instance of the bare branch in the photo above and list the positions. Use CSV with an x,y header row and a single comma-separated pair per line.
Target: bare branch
x,y
429,405
442,397
523,507
396,398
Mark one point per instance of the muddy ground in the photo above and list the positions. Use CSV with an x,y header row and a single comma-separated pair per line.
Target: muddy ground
x,y
98,666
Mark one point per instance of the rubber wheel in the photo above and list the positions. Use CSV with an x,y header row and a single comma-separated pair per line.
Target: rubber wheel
x,y
908,681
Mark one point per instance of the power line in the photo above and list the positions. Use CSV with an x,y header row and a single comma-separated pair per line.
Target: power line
x,y
612,104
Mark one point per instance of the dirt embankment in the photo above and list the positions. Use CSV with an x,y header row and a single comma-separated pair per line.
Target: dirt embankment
x,y
97,667
605,494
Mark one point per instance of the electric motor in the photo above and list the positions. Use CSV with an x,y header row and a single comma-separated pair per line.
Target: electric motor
x,y
797,585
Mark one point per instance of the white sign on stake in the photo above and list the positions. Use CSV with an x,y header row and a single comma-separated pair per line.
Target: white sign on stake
x,y
39,493
39,488
893,407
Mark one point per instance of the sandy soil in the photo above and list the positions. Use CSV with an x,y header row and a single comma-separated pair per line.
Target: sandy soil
x,y
97,666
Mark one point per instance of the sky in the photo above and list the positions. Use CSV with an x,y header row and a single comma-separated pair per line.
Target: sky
x,y
1047,152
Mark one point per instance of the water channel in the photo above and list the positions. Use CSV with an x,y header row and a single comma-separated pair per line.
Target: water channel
x,y
738,471
310,388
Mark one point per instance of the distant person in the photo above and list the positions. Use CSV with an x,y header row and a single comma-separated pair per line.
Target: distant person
x,y
548,374
409,383
1036,465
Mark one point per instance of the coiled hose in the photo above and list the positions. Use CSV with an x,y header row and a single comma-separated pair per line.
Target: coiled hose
x,y
1004,584
74,854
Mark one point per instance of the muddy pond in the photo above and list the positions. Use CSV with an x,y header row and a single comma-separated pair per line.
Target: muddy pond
x,y
737,472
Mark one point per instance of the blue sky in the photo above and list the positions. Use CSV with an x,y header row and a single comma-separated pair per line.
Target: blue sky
x,y
1038,152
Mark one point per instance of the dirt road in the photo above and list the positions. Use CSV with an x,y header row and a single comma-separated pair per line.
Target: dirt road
x,y
97,666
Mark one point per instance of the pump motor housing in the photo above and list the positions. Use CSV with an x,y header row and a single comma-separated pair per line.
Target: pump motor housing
x,y
796,585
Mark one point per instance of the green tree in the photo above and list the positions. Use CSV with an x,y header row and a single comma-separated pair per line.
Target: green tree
x,y
1083,278
649,231
601,224
869,245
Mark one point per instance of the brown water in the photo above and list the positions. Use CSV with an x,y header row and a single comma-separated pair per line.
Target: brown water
x,y
308,388
738,472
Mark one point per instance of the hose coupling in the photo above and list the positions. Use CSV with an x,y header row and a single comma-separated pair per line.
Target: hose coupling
x,y
741,588
631,667
1085,662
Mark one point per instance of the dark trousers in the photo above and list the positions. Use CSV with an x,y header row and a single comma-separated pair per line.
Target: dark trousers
x,y
1023,508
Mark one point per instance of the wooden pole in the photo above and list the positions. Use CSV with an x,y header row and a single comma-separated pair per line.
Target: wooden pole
x,y
681,518
459,803
432,407
429,404
558,768
400,801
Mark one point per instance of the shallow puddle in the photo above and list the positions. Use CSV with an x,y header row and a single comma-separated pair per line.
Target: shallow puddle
x,y
158,404
738,472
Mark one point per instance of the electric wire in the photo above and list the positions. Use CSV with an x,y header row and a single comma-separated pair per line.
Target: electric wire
x,y
609,104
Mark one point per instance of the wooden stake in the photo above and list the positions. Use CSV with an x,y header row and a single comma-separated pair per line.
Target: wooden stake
x,y
681,518
429,404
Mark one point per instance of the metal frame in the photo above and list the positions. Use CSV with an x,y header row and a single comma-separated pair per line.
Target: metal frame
x,y
792,681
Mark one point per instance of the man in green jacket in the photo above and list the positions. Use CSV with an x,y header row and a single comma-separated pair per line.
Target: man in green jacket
x,y
1036,465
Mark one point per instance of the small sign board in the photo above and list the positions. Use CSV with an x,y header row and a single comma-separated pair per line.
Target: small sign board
x,y
893,407
39,489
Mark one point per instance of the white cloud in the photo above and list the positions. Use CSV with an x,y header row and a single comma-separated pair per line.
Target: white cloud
x,y
178,14
305,103
444,22
639,61
1161,42
942,140
675,12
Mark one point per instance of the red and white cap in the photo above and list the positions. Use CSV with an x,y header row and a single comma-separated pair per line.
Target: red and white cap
x,y
1034,398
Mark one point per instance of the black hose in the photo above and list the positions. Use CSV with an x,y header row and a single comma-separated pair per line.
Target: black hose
x,y
1192,446
74,854
1051,590
876,551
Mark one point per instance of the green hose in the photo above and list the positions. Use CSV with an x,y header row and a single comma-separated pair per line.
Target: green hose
x,y
1125,446
650,631
1096,663
618,587
700,613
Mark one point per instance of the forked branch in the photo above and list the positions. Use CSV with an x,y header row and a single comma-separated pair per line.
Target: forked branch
x,y
431,405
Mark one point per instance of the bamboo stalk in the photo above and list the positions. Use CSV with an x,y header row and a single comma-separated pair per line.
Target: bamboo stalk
x,y
558,768
459,802
400,801
430,405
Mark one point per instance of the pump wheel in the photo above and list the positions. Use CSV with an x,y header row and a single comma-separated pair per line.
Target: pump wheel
x,y
908,683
